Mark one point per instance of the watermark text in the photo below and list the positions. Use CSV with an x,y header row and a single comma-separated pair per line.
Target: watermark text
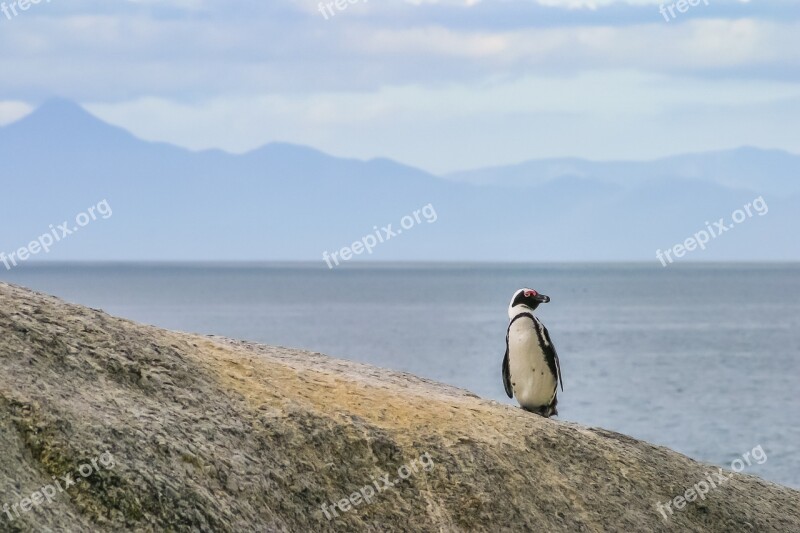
x,y
366,493
702,237
56,234
385,233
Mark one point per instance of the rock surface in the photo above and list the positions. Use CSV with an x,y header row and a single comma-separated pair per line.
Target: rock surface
x,y
211,434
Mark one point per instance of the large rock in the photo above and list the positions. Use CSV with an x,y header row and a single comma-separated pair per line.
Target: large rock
x,y
191,433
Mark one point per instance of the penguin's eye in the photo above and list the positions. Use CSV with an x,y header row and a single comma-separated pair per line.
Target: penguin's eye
x,y
530,293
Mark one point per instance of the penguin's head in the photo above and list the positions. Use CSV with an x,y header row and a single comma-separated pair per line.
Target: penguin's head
x,y
528,298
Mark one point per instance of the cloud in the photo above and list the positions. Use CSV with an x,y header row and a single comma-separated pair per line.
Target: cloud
x,y
11,111
378,78
604,114
112,57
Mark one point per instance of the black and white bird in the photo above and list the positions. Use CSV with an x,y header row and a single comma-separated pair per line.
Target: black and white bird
x,y
531,371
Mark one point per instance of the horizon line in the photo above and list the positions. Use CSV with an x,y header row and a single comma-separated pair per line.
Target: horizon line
x,y
383,263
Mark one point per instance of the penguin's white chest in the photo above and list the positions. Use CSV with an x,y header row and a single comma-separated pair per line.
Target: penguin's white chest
x,y
533,383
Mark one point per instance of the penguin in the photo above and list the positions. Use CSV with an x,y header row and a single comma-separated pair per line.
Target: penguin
x,y
531,370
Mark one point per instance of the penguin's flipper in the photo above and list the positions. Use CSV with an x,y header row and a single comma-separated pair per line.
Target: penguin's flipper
x,y
507,374
558,367
551,355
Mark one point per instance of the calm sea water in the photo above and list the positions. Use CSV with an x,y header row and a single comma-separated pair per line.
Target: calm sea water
x,y
704,359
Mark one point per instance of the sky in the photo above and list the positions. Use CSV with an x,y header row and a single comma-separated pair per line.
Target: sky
x,y
442,85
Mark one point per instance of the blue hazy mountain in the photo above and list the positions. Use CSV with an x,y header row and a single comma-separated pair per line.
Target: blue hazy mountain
x,y
284,202
772,172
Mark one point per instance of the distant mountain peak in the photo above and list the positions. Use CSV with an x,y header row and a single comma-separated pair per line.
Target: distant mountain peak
x,y
64,121
60,110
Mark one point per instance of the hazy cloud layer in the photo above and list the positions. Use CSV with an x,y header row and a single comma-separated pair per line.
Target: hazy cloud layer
x,y
485,77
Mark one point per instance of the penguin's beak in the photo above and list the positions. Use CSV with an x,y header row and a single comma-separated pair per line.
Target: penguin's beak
x,y
542,299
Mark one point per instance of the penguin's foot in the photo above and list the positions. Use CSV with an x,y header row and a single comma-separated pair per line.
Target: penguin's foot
x,y
546,410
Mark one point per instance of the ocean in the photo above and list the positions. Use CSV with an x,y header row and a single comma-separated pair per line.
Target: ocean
x,y
701,358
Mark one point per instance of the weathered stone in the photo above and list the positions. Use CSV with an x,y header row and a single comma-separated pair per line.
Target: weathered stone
x,y
210,434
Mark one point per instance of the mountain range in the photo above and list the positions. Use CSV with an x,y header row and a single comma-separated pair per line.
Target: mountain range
x,y
290,202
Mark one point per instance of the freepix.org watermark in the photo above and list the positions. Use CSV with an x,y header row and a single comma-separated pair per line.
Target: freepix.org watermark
x,y
712,481
366,493
56,234
327,8
681,5
48,493
702,237
12,9
368,242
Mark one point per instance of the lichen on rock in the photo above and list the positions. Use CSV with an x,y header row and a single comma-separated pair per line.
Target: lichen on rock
x,y
213,434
